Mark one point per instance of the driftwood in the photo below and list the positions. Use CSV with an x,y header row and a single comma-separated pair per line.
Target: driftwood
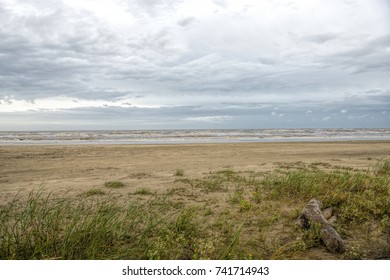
x,y
312,214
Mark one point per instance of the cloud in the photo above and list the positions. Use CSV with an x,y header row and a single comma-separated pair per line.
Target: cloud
x,y
211,119
221,3
368,56
9,104
357,117
219,58
186,21
322,38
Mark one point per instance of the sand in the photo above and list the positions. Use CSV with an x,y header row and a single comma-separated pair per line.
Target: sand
x,y
76,169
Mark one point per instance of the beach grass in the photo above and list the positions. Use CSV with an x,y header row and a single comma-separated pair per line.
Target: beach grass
x,y
114,184
225,214
93,192
179,172
143,191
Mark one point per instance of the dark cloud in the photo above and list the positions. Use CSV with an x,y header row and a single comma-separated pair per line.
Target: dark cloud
x,y
367,56
322,38
186,21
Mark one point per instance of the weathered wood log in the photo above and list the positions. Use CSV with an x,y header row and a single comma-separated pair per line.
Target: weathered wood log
x,y
328,213
312,215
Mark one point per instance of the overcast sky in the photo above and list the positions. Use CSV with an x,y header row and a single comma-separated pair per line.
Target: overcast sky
x,y
155,64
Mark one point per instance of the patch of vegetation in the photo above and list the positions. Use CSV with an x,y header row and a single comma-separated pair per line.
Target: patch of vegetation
x,y
173,191
318,165
140,175
382,168
179,172
44,227
218,181
237,195
223,215
114,184
245,205
93,192
358,196
208,212
143,191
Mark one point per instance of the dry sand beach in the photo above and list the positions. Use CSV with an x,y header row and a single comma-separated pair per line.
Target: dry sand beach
x,y
79,168
202,201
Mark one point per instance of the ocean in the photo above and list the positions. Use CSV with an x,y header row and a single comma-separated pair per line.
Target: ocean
x,y
188,136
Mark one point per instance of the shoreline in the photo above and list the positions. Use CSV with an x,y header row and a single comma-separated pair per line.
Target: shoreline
x,y
322,141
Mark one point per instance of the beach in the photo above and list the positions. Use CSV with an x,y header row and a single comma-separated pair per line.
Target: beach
x,y
75,169
193,201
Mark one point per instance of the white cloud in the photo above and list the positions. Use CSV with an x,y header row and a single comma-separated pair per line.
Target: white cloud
x,y
111,12
10,104
209,119
357,117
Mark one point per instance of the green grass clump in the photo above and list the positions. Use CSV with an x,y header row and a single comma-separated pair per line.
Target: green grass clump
x,y
41,227
382,168
114,184
218,181
44,227
179,172
140,175
357,194
143,191
93,192
236,196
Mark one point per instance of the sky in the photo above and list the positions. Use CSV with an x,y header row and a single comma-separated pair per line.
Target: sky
x,y
204,64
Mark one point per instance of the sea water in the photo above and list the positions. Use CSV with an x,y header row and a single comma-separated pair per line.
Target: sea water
x,y
188,136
